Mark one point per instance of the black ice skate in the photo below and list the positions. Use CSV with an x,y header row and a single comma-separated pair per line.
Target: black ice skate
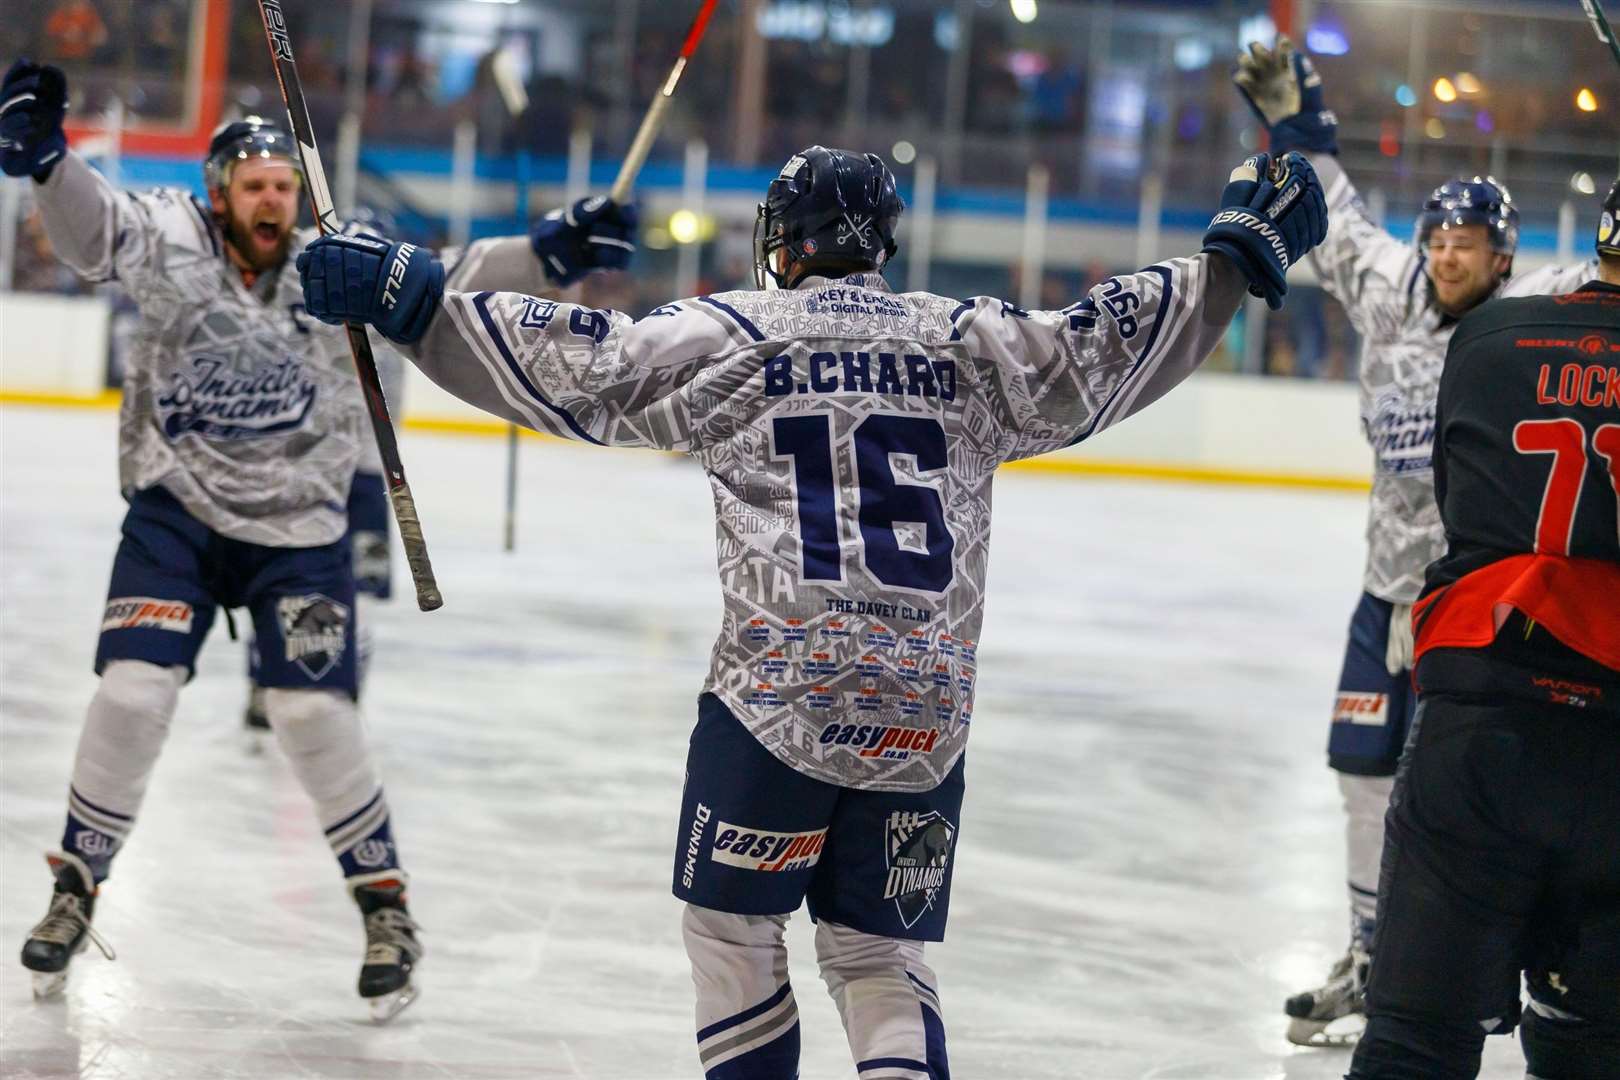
x,y
1335,1013
66,926
255,722
392,950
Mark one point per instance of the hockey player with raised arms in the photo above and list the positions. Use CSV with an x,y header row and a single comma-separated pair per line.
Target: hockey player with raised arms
x,y
240,432
850,435
1502,846
1404,300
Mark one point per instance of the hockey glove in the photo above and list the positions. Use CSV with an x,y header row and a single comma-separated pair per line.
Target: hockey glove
x,y
33,103
1398,650
1272,212
361,279
1284,89
593,234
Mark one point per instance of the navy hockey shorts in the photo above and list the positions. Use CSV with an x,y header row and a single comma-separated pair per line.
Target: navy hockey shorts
x,y
1373,709
172,573
370,535
758,838
1502,855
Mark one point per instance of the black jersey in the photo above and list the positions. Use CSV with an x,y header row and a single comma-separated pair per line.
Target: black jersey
x,y
1527,471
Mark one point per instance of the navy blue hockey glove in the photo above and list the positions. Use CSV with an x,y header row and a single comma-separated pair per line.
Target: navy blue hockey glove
x,y
1284,89
593,234
361,279
33,103
1272,213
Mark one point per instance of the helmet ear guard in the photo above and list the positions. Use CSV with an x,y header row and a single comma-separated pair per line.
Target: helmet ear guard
x,y
832,210
1608,232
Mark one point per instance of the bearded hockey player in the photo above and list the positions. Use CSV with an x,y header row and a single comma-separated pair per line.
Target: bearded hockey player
x,y
1502,856
850,435
240,431
1404,300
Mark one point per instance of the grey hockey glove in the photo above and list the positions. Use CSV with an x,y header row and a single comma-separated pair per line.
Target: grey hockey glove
x,y
1272,212
33,103
593,234
1284,89
361,279
1398,650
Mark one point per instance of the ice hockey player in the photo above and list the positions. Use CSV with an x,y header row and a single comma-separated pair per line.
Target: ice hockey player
x,y
240,431
369,534
850,435
1404,300
1503,847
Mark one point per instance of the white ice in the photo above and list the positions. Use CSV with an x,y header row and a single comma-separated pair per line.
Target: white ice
x,y
1151,846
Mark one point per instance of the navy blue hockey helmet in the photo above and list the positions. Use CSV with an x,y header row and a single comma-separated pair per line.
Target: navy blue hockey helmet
x,y
1480,201
831,210
1608,233
249,137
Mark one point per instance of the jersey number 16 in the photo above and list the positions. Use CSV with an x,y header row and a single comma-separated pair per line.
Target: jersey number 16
x,y
883,499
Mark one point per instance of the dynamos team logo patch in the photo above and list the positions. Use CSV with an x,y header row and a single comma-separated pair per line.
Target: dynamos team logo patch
x,y
917,848
313,628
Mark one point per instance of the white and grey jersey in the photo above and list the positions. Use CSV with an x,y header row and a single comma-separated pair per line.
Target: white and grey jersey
x,y
850,436
1385,292
235,401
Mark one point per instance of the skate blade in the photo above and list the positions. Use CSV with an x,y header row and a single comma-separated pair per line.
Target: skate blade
x,y
1334,1034
48,984
385,1007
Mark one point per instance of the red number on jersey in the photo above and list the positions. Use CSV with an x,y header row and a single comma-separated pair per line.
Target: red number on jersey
x,y
1606,441
1565,440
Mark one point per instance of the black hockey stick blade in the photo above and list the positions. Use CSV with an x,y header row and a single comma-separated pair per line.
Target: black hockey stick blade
x,y
365,366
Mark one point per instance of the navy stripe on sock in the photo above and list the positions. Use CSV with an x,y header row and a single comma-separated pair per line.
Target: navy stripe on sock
x,y
747,1014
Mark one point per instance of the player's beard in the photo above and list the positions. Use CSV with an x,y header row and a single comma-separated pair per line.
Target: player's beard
x,y
252,240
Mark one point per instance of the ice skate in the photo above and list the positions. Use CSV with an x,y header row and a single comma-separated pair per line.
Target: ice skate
x,y
1334,1013
255,722
65,928
392,950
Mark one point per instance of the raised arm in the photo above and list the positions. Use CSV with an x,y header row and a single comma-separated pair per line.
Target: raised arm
x,y
572,371
1057,377
1359,263
100,232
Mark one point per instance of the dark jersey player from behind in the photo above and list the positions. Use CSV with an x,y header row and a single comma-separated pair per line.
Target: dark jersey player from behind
x,y
1502,843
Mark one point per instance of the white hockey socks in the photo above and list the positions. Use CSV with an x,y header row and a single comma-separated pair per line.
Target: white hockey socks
x,y
1365,800
321,734
747,1020
124,731
888,999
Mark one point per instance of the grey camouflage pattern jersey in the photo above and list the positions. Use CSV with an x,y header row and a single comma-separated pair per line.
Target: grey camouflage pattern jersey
x,y
236,402
850,436
1385,292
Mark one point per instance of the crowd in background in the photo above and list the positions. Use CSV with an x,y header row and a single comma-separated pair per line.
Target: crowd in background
x,y
1100,93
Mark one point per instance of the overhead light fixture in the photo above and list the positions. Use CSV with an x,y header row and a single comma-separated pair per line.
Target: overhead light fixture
x,y
1024,10
1586,101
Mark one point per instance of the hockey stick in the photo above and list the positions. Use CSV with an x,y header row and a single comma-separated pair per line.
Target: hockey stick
x,y
365,367
641,145
1600,25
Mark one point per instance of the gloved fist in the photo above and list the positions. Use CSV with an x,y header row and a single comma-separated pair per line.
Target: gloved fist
x,y
363,279
33,103
1272,212
1284,89
593,234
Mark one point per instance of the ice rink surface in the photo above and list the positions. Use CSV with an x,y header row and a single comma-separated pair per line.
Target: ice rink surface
x,y
1151,846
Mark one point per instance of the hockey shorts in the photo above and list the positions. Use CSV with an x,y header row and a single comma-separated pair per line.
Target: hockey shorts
x,y
1502,855
172,573
370,535
758,838
1373,709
